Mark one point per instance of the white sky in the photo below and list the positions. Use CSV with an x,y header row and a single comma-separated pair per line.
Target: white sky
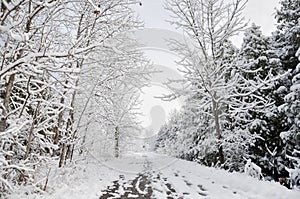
x,y
154,15
261,12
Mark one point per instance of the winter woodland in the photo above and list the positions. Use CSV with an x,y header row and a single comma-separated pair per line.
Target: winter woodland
x,y
71,77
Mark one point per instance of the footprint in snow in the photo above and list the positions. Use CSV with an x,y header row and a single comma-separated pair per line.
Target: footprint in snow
x,y
188,183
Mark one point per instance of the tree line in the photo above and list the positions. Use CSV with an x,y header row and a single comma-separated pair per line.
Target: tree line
x,y
241,103
64,65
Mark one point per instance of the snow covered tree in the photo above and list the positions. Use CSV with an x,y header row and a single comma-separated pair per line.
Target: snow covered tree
x,y
44,45
208,24
291,137
287,41
108,99
230,90
260,63
29,58
287,34
176,137
212,76
90,37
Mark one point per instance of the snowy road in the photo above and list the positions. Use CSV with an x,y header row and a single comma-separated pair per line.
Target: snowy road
x,y
161,177
152,182
150,175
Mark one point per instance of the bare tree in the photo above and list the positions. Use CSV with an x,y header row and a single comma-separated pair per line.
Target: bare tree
x,y
208,24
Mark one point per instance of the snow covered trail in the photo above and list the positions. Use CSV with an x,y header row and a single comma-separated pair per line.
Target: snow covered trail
x,y
150,175
166,177
151,182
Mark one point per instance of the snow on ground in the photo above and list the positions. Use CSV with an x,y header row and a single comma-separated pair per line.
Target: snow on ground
x,y
150,175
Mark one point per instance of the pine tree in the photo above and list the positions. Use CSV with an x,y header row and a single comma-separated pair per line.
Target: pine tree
x,y
287,35
287,40
291,137
260,63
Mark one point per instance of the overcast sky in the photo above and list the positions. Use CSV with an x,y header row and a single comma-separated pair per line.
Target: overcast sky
x,y
261,12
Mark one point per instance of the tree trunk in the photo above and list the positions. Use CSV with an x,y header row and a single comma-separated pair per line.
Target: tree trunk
x,y
27,97
28,147
70,129
68,153
81,150
59,122
117,137
3,7
216,114
62,155
3,120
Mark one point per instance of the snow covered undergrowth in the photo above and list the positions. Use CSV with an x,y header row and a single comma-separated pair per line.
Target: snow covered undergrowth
x,y
185,179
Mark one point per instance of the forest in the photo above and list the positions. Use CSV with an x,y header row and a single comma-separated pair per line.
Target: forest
x,y
68,67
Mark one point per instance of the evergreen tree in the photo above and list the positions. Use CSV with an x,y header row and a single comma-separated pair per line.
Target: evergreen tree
x,y
287,40
259,62
291,137
287,35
